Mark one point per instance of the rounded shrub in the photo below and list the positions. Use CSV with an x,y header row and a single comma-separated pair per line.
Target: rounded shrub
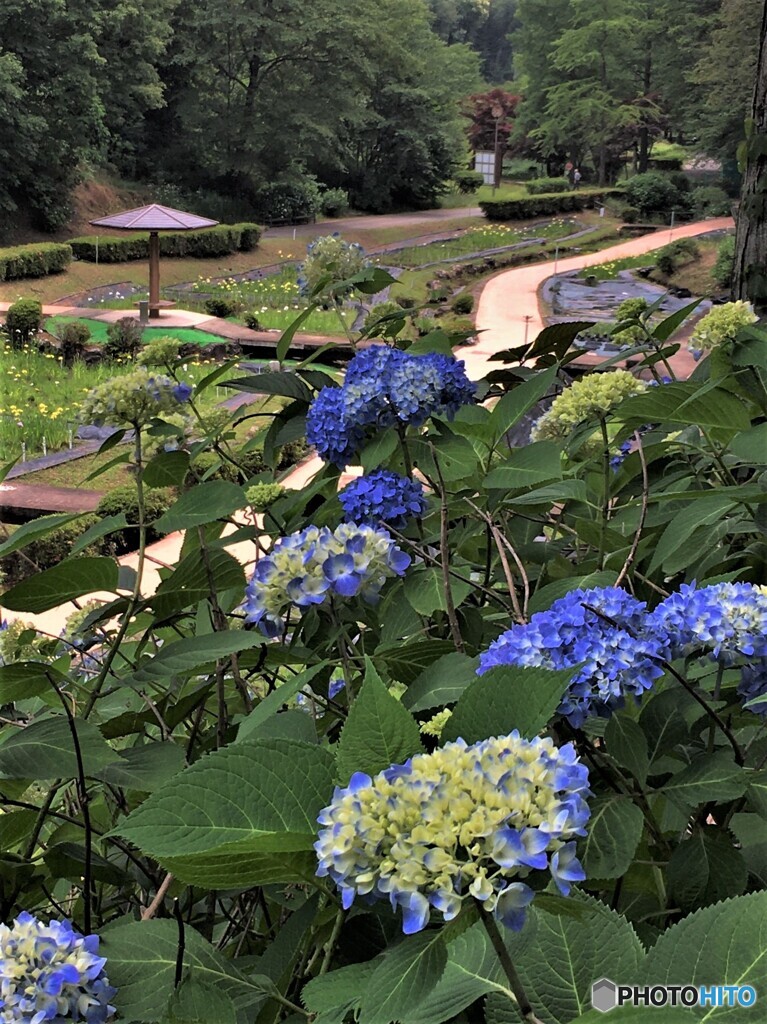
x,y
463,304
124,339
652,193
547,186
22,320
711,201
73,337
252,321
334,202
220,307
124,500
378,312
468,182
289,201
725,262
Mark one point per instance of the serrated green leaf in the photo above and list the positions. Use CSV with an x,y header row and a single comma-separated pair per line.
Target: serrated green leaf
x,y
45,750
142,966
204,503
510,409
526,467
66,581
705,868
614,830
201,1002
441,683
505,698
405,662
455,454
271,704
704,512
725,944
377,451
237,803
406,974
425,590
338,993
378,732
105,526
710,777
757,792
284,383
183,657
564,490
38,528
686,402
144,768
194,577
23,679
167,469
627,744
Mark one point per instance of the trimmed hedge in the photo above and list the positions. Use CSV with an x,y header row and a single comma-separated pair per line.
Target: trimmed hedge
x,y
36,260
210,242
547,186
542,206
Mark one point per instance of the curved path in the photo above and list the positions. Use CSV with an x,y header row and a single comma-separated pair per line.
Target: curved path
x,y
506,300
511,296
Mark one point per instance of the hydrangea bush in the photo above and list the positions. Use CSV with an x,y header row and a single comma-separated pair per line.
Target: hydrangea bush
x,y
398,748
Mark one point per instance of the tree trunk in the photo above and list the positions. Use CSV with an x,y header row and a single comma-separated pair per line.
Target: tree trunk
x,y
750,272
644,131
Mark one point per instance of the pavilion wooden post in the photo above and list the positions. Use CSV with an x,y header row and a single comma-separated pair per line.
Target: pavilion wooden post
x,y
154,275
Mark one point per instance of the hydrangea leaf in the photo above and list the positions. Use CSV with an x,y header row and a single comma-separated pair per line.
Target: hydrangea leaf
x,y
377,451
332,996
167,469
406,974
23,679
425,590
515,403
704,868
145,768
379,731
201,1002
204,503
44,750
141,958
710,777
614,831
687,402
66,581
627,744
272,703
183,657
441,683
38,528
534,464
725,944
505,698
244,800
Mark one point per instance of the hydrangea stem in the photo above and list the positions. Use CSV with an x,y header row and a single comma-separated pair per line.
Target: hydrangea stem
x,y
515,982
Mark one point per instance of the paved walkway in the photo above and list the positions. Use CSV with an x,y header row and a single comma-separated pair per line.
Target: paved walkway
x,y
505,302
30,500
373,222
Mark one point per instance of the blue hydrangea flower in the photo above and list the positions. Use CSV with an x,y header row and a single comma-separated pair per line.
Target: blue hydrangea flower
x,y
618,659
726,621
306,568
464,822
384,387
383,495
51,973
182,392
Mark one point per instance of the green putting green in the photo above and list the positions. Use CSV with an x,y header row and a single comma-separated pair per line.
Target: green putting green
x,y
98,328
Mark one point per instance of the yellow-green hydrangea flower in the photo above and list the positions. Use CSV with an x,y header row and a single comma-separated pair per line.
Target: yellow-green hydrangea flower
x,y
592,397
721,325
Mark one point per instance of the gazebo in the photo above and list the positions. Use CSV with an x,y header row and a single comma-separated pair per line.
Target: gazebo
x,y
154,218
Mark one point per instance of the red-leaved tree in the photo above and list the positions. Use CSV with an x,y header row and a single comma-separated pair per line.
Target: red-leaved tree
x,y
484,110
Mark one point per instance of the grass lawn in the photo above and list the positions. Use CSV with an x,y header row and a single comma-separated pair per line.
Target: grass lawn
x,y
99,328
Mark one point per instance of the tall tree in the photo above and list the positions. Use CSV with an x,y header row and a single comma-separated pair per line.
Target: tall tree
x,y
750,274
724,77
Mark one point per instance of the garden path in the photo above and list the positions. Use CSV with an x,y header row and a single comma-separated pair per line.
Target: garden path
x,y
506,300
372,222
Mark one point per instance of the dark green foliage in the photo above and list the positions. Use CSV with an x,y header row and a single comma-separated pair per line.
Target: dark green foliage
x,y
711,201
22,320
383,309
547,186
406,301
463,304
220,307
124,500
543,206
124,339
206,244
34,260
47,551
73,338
252,321
468,182
334,202
725,260
653,193
677,254
288,201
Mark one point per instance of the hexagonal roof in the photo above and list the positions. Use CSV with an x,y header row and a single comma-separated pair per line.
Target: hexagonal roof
x,y
154,218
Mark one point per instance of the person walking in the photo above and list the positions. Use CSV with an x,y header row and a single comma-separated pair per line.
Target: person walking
x,y
576,178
